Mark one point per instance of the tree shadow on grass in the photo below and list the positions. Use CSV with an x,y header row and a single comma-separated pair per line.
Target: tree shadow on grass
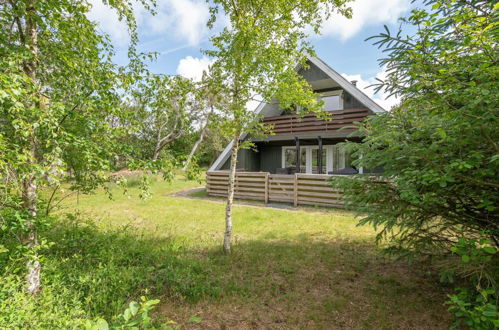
x,y
106,268
295,283
307,283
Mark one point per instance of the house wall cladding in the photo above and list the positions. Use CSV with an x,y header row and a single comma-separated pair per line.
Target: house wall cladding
x,y
313,73
270,158
247,159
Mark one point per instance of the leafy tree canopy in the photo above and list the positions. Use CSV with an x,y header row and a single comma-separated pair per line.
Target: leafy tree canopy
x,y
438,194
59,92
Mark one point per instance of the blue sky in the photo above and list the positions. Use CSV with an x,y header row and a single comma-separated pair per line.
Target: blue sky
x,y
178,33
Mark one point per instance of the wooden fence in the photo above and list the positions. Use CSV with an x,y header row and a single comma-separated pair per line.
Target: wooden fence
x,y
299,189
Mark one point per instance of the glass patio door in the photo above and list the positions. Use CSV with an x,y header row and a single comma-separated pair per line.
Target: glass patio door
x,y
334,158
308,159
315,161
289,158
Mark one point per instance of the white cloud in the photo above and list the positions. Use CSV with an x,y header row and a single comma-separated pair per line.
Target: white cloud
x,y
184,20
365,12
108,22
193,67
380,97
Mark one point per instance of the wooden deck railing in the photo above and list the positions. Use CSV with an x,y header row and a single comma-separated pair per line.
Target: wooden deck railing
x,y
299,189
294,124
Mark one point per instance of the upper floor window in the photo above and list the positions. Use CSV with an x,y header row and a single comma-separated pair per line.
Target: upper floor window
x,y
333,100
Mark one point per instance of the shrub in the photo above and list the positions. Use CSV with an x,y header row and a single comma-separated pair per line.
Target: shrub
x,y
136,316
193,171
438,148
475,303
52,308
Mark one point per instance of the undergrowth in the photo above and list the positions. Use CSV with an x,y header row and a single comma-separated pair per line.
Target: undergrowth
x,y
89,273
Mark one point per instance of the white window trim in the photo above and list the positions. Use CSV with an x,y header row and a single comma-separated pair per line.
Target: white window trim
x,y
329,158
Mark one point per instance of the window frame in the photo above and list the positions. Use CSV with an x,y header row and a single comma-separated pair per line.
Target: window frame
x,y
338,93
328,149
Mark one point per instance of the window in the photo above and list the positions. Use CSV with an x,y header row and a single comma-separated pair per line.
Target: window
x,y
315,160
333,100
308,158
334,158
341,158
290,158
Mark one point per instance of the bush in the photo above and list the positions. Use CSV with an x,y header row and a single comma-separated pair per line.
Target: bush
x,y
438,149
193,171
52,308
477,310
136,316
475,303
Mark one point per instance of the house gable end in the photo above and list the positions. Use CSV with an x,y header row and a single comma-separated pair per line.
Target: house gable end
x,y
322,78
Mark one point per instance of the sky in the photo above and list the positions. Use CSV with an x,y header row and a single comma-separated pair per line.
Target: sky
x,y
178,33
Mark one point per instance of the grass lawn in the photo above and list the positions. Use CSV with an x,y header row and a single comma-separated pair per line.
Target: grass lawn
x,y
306,268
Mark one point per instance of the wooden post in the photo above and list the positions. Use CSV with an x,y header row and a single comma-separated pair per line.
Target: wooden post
x,y
297,141
296,190
207,182
319,156
267,188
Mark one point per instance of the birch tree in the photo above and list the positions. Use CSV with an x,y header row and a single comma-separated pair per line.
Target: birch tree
x,y
58,88
257,54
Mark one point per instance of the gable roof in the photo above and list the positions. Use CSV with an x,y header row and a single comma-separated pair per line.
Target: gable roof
x,y
346,85
333,75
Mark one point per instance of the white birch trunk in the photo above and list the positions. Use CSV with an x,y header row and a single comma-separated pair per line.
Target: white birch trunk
x,y
230,194
195,147
29,192
30,239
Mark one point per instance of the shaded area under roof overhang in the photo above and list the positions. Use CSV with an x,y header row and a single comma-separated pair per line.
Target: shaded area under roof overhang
x,y
341,135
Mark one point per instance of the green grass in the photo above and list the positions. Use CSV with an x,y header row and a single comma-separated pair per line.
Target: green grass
x,y
307,268
199,193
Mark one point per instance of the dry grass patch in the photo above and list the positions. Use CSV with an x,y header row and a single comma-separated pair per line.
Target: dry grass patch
x,y
316,285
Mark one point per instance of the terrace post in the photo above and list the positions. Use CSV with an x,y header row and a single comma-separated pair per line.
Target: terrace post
x,y
319,156
267,188
297,141
295,191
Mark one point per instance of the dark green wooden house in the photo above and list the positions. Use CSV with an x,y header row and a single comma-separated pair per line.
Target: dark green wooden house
x,y
308,144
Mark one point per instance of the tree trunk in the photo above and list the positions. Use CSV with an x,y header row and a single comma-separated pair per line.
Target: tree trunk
x,y
195,147
29,192
157,150
30,238
230,193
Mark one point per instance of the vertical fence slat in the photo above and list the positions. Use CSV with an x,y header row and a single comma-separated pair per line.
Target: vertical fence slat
x,y
295,198
267,188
